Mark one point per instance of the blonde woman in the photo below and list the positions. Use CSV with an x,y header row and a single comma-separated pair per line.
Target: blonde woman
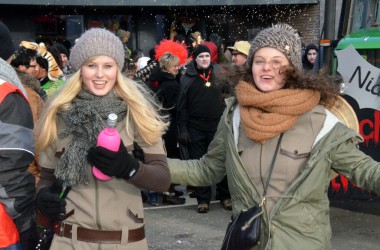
x,y
107,214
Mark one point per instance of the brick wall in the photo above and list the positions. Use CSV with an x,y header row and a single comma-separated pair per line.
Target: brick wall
x,y
305,18
308,23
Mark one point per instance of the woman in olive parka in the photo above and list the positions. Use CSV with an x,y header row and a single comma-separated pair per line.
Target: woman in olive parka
x,y
273,98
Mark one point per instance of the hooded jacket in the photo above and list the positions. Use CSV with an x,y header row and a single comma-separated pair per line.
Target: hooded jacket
x,y
300,218
17,186
305,63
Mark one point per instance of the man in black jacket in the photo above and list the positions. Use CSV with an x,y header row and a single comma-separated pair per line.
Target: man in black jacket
x,y
200,107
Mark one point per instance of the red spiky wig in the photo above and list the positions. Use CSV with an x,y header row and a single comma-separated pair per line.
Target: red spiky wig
x,y
173,47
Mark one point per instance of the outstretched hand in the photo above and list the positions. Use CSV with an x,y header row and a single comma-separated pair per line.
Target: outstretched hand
x,y
215,38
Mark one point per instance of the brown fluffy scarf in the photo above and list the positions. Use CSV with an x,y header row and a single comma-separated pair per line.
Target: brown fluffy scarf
x,y
267,114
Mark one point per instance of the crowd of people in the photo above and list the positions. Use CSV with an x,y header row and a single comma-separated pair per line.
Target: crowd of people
x,y
192,113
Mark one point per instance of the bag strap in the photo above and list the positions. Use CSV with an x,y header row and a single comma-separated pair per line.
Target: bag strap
x,y
272,165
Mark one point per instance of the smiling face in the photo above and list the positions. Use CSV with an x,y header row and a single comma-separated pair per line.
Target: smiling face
x,y
267,69
203,60
99,75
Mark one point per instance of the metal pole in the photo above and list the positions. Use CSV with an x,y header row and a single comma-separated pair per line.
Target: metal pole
x,y
329,34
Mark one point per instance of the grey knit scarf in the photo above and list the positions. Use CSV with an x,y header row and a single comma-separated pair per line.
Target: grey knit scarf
x,y
85,119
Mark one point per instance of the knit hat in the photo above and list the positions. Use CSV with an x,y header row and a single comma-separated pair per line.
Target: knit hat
x,y
142,62
97,42
241,47
282,37
61,49
123,34
200,49
7,47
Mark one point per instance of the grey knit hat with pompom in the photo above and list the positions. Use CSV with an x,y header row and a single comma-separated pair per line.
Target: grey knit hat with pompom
x,y
97,42
282,37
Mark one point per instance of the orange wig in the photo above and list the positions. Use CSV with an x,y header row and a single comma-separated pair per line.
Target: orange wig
x,y
172,47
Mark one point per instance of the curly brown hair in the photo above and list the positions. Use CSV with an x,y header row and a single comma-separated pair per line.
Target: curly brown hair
x,y
326,85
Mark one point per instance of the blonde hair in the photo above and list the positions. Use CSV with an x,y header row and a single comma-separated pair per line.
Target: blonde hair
x,y
141,109
168,60
196,35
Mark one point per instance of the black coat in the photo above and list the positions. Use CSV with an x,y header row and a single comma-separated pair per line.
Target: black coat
x,y
188,81
166,88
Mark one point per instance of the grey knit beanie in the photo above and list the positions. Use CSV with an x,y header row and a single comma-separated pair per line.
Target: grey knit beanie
x,y
282,37
97,42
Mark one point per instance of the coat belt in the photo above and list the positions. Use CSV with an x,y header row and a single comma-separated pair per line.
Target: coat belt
x,y
97,236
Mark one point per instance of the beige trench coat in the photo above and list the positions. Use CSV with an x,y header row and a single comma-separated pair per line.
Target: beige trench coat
x,y
102,205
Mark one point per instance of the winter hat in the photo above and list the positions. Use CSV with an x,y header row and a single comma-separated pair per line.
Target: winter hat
x,y
306,63
61,49
200,49
8,74
310,47
142,62
213,51
7,47
241,47
122,34
97,42
282,37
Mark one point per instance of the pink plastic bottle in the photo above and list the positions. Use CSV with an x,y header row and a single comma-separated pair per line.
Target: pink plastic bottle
x,y
108,138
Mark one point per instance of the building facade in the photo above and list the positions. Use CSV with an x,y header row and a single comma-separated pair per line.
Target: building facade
x,y
149,21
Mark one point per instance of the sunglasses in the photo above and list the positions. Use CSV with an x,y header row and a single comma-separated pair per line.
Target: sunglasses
x,y
30,66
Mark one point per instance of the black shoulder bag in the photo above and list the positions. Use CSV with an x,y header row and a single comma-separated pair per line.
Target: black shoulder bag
x,y
243,232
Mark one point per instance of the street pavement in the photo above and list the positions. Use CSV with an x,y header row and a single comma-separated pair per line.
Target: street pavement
x,y
355,226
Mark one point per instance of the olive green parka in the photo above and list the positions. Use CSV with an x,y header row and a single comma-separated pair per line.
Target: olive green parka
x,y
300,219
